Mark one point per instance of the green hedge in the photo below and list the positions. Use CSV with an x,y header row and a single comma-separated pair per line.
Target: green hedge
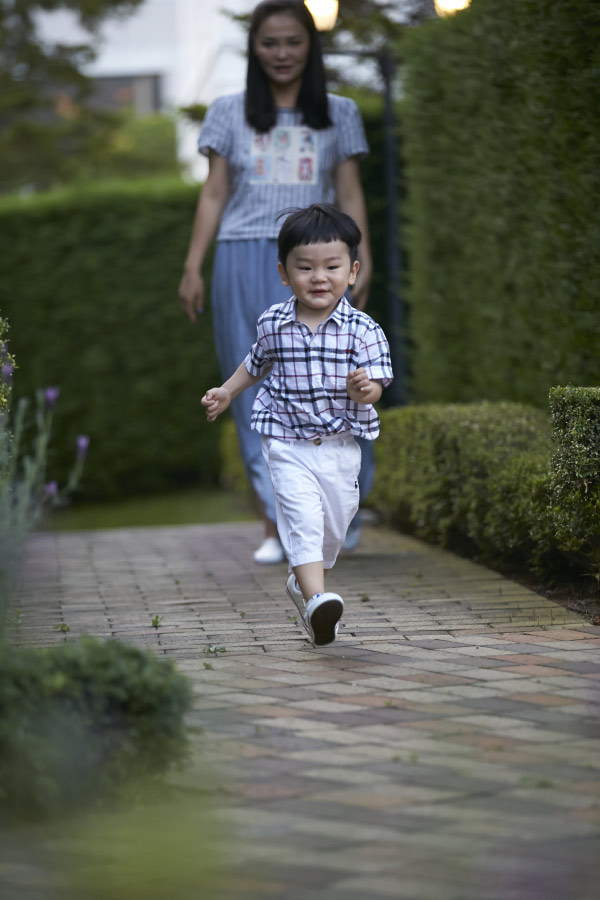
x,y
89,288
575,478
502,148
82,719
486,479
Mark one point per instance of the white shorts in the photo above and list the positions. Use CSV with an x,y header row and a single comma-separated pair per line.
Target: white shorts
x,y
316,489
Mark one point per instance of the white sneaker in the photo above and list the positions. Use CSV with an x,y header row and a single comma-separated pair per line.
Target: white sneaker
x,y
269,552
323,613
295,594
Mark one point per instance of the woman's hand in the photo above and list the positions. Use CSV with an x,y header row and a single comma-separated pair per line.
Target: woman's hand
x,y
216,401
191,293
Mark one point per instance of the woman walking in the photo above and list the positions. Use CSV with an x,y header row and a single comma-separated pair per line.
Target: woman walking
x,y
282,143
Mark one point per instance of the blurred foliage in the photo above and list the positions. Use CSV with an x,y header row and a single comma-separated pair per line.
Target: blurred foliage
x,y
81,721
196,112
502,147
167,845
25,491
6,359
89,286
482,479
45,127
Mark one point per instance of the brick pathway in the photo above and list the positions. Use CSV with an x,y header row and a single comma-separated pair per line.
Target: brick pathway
x,y
445,748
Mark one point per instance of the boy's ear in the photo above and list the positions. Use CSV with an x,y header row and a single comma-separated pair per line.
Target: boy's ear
x,y
354,271
282,274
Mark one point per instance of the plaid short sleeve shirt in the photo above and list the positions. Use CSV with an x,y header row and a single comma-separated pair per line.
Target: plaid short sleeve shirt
x,y
305,392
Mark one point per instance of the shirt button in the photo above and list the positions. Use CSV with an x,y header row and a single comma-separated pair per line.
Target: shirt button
x,y
317,441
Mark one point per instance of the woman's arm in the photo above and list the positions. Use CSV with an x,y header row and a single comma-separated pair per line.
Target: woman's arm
x,y
211,204
351,200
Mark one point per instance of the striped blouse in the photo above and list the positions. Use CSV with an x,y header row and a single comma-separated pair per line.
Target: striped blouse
x,y
290,166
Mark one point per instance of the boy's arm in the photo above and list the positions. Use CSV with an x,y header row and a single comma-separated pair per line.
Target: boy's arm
x,y
216,400
360,389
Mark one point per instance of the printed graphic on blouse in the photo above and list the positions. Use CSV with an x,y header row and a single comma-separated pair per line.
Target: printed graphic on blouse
x,y
286,155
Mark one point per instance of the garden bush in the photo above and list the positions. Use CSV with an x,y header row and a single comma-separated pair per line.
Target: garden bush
x,y
488,480
89,287
80,720
502,152
472,477
575,477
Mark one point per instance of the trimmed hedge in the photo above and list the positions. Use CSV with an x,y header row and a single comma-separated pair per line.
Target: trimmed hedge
x,y
82,719
89,288
575,479
483,479
502,148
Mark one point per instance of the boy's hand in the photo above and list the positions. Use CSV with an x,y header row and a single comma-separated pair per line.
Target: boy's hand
x,y
216,401
360,389
357,384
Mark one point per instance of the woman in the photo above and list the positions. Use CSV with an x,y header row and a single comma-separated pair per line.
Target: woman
x,y
282,143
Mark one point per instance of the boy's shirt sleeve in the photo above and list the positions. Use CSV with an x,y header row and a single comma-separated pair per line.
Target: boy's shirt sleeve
x,y
374,356
260,358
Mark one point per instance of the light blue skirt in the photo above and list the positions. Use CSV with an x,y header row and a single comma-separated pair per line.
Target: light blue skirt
x,y
245,282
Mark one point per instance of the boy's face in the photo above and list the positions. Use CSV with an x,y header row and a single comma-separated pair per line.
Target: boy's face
x,y
318,274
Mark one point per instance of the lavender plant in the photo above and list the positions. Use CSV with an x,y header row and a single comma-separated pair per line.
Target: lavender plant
x,y
25,492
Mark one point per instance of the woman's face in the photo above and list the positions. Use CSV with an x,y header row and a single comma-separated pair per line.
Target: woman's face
x,y
282,45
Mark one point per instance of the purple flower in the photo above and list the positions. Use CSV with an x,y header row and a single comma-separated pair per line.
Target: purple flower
x,y
7,371
51,395
51,489
83,442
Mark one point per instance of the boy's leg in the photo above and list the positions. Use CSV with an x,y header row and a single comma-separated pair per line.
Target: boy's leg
x,y
311,578
366,477
340,496
293,467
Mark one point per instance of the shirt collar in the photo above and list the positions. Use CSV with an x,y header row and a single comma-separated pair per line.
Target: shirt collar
x,y
340,314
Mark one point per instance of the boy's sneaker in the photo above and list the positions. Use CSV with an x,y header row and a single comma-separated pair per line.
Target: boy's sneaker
x,y
323,612
320,616
295,594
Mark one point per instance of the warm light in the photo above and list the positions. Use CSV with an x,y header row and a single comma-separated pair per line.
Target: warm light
x,y
447,7
324,12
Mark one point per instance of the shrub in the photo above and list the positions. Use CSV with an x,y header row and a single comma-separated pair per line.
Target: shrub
x,y
502,149
575,478
79,720
472,477
90,283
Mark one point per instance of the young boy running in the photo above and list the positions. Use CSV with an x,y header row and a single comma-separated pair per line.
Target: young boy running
x,y
327,364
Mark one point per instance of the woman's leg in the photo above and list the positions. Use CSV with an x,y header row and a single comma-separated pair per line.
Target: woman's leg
x,y
245,282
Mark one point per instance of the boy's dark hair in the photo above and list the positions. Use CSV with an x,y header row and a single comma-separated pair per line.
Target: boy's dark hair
x,y
312,99
320,223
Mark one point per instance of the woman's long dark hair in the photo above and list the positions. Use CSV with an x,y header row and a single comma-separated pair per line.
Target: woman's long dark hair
x,y
312,99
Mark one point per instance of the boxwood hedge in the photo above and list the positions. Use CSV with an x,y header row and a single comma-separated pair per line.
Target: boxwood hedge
x,y
89,288
500,481
502,148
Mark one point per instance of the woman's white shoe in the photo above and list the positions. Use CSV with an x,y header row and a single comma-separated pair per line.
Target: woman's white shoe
x,y
269,552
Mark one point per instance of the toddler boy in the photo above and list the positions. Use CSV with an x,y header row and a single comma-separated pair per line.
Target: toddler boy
x,y
327,364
